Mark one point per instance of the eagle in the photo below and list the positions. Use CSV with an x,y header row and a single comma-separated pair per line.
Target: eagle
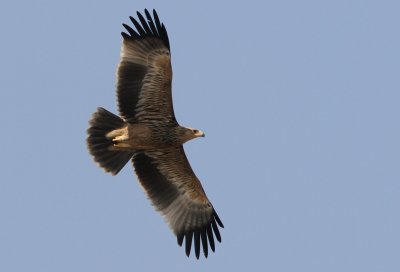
x,y
148,134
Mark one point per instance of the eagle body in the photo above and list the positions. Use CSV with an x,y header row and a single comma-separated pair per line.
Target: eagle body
x,y
147,133
147,137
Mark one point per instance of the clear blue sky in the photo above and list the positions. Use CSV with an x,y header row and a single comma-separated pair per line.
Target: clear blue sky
x,y
300,102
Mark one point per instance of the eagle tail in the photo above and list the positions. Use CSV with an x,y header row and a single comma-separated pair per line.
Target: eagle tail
x,y
100,146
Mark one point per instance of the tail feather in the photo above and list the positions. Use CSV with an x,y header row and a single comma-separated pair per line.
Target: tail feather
x,y
99,145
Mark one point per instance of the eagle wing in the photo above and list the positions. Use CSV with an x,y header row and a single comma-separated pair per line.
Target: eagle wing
x,y
177,194
144,73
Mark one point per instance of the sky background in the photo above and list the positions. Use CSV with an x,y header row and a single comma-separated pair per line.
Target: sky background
x,y
300,102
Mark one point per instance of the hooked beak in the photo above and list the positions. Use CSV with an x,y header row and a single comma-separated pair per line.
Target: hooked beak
x,y
200,134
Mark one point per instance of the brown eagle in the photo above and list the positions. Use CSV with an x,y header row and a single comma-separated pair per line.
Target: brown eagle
x,y
148,134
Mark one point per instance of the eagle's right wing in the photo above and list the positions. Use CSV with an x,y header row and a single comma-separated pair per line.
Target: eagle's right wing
x,y
177,194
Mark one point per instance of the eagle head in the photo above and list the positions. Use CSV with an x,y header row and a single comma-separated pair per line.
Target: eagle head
x,y
186,134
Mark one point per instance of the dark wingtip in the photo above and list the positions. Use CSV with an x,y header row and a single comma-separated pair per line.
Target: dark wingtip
x,y
201,236
216,231
204,241
179,238
130,30
218,220
125,36
210,237
197,243
148,28
155,15
188,243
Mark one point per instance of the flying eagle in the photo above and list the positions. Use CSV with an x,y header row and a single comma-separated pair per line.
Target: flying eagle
x,y
148,134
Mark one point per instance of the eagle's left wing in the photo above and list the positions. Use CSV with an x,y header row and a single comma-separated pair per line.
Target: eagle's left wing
x,y
144,74
177,194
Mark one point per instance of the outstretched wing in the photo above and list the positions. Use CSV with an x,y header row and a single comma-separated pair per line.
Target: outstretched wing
x,y
177,194
144,73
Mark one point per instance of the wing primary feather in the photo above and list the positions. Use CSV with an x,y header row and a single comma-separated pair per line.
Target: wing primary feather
x,y
180,237
188,242
151,23
157,21
204,241
138,26
210,238
131,31
218,220
152,27
144,23
197,243
165,35
216,231
125,36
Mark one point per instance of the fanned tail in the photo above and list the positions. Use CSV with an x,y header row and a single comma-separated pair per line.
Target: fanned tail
x,y
103,122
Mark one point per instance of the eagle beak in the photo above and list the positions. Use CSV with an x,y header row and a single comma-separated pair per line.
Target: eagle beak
x,y
199,134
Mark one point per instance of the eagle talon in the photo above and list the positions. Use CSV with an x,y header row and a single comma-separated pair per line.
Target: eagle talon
x,y
120,138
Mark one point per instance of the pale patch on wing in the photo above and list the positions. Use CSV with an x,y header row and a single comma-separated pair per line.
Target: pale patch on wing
x,y
138,51
155,98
